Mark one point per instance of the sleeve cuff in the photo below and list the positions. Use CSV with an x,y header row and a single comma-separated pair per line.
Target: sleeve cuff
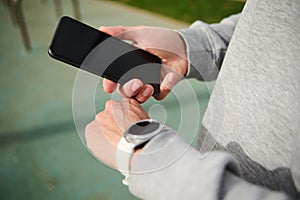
x,y
199,52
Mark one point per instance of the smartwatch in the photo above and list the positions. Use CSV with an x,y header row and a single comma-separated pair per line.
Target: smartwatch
x,y
137,135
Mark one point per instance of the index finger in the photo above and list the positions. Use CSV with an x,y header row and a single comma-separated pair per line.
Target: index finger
x,y
108,85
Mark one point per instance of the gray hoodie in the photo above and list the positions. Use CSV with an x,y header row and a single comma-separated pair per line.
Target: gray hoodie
x,y
249,143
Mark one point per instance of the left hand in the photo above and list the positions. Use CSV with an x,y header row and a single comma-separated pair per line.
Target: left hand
x,y
104,133
167,44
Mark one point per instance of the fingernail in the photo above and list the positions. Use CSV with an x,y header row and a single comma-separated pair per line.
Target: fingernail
x,y
147,92
135,85
170,78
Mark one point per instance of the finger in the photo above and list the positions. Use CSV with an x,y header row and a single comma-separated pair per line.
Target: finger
x,y
134,102
131,88
130,101
138,109
144,94
170,80
112,30
163,93
122,32
108,104
109,86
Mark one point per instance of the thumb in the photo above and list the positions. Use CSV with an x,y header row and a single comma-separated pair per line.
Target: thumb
x,y
121,32
112,30
170,80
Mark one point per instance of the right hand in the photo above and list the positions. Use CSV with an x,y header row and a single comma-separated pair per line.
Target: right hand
x,y
164,43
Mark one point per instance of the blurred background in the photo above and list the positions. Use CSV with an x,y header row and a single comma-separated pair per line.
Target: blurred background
x,y
41,155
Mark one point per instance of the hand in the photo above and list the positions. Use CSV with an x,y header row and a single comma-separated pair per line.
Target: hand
x,y
164,43
104,133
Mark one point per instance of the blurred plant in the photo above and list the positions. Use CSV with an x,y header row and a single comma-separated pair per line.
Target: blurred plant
x,y
209,11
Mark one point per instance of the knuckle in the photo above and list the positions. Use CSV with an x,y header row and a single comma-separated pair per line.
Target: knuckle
x,y
89,130
99,116
108,104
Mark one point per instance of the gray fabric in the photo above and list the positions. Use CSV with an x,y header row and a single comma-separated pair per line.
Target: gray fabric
x,y
234,188
278,179
258,92
168,168
206,47
159,173
253,113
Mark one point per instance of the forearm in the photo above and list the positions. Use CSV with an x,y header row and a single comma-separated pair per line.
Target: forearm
x,y
206,46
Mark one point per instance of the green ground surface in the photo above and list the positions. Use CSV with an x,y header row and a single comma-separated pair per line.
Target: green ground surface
x,y
41,155
209,11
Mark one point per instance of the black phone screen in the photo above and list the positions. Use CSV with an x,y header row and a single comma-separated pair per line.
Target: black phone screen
x,y
94,51
74,40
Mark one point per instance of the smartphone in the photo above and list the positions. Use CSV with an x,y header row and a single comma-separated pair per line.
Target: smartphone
x,y
97,52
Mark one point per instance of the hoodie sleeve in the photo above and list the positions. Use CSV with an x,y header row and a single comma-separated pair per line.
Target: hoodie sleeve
x,y
206,46
169,168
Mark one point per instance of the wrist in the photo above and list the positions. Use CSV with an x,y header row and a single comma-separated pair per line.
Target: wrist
x,y
183,55
134,137
134,156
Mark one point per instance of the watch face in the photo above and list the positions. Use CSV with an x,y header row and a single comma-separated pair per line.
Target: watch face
x,y
143,128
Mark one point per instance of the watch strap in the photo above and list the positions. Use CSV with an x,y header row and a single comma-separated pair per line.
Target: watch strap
x,y
123,157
